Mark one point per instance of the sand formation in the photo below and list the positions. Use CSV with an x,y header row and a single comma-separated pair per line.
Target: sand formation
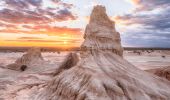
x,y
102,73
100,33
33,56
70,61
161,72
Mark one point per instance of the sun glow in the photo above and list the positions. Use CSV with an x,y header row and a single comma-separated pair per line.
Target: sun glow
x,y
65,42
133,1
63,30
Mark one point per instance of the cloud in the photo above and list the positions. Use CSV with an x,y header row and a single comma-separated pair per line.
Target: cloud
x,y
37,39
44,29
152,4
151,19
32,38
53,30
56,1
17,17
65,5
32,11
10,26
65,14
22,3
34,17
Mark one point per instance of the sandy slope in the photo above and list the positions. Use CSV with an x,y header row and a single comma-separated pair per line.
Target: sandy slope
x,y
11,80
147,60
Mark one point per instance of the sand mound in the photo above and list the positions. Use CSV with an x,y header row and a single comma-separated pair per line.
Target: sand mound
x,y
161,72
31,57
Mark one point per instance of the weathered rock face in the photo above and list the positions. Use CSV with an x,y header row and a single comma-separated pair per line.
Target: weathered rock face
x,y
100,33
161,72
102,74
33,56
71,60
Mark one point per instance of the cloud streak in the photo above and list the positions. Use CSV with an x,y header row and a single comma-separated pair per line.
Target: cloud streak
x,y
46,41
44,29
22,3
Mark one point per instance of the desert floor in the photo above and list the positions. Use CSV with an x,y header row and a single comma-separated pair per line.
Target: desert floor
x,y
12,81
142,59
148,59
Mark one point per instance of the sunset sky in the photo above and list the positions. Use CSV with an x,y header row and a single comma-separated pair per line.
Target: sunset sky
x,y
61,23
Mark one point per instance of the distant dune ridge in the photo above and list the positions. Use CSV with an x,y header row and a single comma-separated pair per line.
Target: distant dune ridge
x,y
101,73
31,57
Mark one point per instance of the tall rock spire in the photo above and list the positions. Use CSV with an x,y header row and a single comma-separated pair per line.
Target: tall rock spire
x,y
100,33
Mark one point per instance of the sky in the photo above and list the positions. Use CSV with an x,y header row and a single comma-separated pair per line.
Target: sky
x,y
61,23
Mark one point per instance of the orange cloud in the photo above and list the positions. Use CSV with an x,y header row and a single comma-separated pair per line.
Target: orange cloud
x,y
42,43
65,37
25,38
136,2
30,17
49,30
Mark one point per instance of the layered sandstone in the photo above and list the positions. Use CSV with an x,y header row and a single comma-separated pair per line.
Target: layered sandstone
x,y
161,72
100,33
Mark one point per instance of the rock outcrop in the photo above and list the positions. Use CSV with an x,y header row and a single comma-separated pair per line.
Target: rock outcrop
x,y
102,73
71,60
100,33
161,72
33,56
